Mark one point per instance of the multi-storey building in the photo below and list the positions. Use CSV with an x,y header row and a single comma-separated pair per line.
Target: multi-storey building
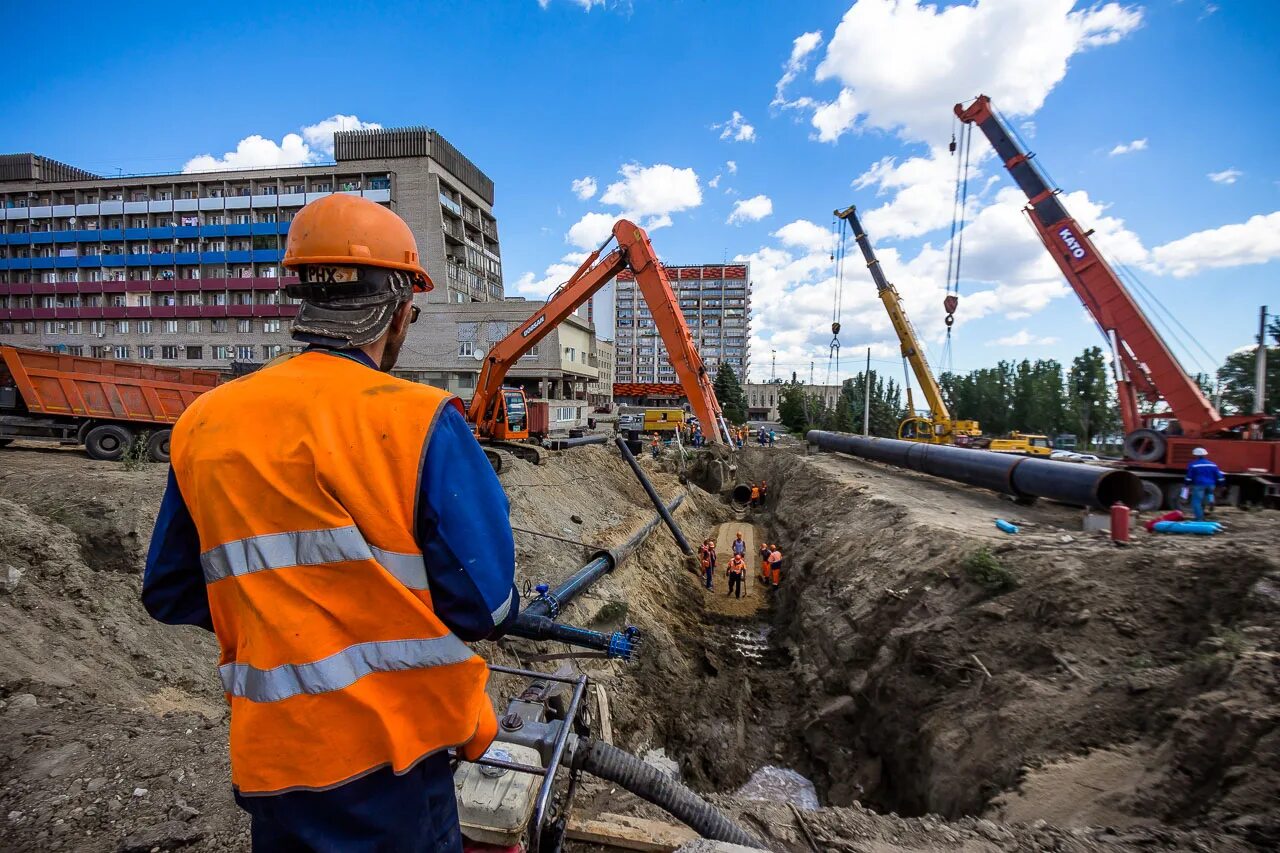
x,y
560,368
763,398
716,302
600,392
185,268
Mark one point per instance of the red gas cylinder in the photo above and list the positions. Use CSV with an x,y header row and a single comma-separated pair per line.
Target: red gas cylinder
x,y
1119,523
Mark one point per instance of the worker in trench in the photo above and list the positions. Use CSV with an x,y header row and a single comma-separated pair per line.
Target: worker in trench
x,y
1203,477
775,566
736,572
707,557
343,535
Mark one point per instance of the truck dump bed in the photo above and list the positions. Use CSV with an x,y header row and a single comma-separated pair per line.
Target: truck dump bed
x,y
74,386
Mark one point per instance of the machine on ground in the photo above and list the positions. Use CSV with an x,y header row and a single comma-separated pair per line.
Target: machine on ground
x,y
1143,364
939,427
500,414
106,405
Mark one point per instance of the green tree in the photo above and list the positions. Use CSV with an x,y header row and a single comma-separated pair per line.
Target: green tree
x,y
795,407
886,406
1092,410
733,400
1237,376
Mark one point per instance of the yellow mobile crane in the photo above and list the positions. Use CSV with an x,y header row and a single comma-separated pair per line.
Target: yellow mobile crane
x,y
938,428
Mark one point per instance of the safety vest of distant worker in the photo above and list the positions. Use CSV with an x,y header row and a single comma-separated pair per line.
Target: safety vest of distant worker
x,y
316,585
775,566
706,555
737,566
755,493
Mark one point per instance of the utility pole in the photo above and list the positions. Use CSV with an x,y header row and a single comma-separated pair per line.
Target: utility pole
x,y
1260,370
866,403
811,374
773,369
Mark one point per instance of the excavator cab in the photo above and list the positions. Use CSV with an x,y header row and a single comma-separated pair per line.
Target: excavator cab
x,y
511,419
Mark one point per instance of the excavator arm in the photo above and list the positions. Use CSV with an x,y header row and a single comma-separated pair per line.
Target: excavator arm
x,y
1144,363
912,350
634,252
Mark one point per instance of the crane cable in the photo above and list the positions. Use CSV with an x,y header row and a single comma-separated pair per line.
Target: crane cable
x,y
955,243
838,236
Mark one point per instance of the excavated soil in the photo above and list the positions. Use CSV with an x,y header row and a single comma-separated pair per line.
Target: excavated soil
x,y
1112,699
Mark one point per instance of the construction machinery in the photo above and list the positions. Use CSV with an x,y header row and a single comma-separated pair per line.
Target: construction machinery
x,y
500,414
1027,444
1142,362
106,405
939,427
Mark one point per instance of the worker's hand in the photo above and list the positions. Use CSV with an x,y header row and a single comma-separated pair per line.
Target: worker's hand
x,y
486,731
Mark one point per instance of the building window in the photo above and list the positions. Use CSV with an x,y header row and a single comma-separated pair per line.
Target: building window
x,y
146,351
244,352
122,352
222,352
195,353
50,327
466,380
270,325
169,327
270,351
244,327
144,327
100,352
466,348
169,352
75,327
218,326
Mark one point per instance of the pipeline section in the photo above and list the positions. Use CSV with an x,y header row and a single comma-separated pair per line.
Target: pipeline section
x,y
1020,476
567,443
653,496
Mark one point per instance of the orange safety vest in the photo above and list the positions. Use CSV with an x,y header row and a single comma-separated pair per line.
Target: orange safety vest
x,y
302,480
737,566
755,493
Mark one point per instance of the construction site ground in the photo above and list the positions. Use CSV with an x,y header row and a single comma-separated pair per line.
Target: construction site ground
x,y
944,685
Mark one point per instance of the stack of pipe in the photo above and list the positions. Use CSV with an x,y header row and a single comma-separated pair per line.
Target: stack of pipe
x,y
1021,476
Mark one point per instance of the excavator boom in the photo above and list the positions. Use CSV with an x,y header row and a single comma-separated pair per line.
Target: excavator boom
x,y
634,252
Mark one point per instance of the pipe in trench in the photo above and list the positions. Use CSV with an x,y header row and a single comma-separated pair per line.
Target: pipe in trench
x,y
741,494
1020,476
653,496
567,443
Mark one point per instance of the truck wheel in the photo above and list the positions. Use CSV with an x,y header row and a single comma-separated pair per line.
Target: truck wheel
x,y
1173,495
1144,445
158,445
108,442
1152,497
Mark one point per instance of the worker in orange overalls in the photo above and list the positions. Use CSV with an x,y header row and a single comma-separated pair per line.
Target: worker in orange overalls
x,y
343,535
755,495
707,556
775,566
737,572
765,550
655,446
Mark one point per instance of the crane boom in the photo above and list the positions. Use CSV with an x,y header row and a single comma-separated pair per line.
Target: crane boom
x,y
912,351
634,252
1142,360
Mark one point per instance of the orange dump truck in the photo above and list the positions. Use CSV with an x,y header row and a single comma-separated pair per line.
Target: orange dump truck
x,y
102,404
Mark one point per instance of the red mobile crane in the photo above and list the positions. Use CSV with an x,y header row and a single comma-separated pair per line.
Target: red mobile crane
x,y
1142,362
500,414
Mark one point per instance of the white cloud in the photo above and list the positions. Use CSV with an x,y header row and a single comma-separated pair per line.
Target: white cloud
x,y
801,48
646,194
714,182
1129,147
314,143
584,188
750,210
736,129
1256,241
534,287
923,192
585,5
732,166
803,234
1016,51
1021,338
1226,176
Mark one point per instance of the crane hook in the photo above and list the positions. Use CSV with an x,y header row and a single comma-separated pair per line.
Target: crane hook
x,y
835,328
953,143
949,305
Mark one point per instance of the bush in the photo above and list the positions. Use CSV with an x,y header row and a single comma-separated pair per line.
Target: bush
x,y
136,456
984,569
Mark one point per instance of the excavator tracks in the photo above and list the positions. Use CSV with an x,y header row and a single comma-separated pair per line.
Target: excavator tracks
x,y
502,454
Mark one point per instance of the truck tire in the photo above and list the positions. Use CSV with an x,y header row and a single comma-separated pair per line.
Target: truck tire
x,y
1173,495
158,445
1152,497
1145,445
107,442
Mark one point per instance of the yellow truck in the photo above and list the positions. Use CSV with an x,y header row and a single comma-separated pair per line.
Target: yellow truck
x,y
1025,443
663,420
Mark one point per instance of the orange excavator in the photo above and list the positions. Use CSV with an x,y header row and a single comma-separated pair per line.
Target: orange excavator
x,y
500,414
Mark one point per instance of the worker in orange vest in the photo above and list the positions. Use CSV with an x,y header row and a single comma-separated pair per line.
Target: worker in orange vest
x,y
737,572
775,566
707,556
765,550
343,535
755,495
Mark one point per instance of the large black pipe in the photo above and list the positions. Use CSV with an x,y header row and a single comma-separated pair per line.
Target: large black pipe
x,y
618,644
601,564
1020,476
566,443
653,496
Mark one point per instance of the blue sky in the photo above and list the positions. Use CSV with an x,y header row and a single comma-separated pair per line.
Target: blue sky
x,y
641,99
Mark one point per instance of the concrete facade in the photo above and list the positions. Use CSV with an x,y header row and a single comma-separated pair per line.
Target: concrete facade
x,y
185,268
600,392
763,398
716,302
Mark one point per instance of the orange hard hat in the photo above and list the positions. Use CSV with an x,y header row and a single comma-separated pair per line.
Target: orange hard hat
x,y
347,230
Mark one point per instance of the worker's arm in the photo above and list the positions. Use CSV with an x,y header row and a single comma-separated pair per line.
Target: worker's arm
x,y
173,589
464,530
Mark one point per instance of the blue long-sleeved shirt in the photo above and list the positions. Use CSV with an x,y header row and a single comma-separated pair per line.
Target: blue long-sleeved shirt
x,y
1202,472
462,527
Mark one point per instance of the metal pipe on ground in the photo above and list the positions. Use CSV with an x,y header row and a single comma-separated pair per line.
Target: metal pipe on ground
x,y
566,443
601,564
653,496
617,644
1020,476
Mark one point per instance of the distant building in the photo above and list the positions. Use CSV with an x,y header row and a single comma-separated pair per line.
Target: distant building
x,y
763,398
716,302
184,268
558,369
600,392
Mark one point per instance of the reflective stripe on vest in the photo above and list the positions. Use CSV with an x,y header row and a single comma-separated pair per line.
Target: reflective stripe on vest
x,y
302,481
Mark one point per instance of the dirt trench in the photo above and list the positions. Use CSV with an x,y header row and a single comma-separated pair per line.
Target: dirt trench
x,y
922,662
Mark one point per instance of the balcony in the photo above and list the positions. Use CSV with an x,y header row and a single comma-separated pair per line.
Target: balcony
x,y
450,205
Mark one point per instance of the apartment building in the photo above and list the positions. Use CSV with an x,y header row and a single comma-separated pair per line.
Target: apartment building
x,y
561,368
600,392
716,302
763,398
184,268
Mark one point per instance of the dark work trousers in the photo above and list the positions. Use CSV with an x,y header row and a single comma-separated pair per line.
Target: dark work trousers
x,y
709,574
735,585
377,813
